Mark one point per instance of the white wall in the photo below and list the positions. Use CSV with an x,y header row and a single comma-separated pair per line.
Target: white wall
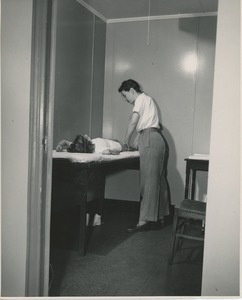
x,y
16,57
222,235
162,60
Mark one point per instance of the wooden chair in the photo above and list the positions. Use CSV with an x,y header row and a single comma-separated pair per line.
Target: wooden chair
x,y
187,209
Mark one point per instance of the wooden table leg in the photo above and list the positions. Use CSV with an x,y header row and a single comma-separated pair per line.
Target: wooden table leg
x,y
187,181
82,193
101,191
193,183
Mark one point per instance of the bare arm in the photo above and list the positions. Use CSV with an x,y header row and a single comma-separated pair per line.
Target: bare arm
x,y
136,142
62,145
131,127
112,151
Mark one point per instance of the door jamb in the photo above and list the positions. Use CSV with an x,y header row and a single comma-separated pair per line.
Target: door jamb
x,y
40,149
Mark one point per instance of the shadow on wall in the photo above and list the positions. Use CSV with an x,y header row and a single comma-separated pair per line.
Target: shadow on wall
x,y
173,176
201,27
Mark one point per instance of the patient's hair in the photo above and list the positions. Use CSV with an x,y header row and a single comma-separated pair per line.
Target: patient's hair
x,y
81,145
128,84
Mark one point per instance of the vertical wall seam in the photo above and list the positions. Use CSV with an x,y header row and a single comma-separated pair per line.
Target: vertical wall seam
x,y
195,78
92,75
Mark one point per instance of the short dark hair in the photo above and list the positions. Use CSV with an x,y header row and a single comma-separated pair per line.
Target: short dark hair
x,y
128,84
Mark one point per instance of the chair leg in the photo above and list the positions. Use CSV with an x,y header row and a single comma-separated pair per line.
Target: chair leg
x,y
203,227
179,242
173,238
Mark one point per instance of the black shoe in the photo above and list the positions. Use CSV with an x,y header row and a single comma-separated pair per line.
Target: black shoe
x,y
138,228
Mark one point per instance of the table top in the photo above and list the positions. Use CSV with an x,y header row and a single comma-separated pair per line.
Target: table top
x,y
198,157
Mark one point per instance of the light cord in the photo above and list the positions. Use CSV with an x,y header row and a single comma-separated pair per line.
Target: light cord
x,y
148,27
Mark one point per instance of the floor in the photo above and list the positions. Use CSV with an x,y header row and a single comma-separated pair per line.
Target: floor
x,y
118,263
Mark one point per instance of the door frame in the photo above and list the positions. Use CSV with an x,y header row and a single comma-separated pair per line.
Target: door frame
x,y
40,148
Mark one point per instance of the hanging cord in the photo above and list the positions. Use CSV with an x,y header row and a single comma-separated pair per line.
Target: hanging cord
x,y
148,27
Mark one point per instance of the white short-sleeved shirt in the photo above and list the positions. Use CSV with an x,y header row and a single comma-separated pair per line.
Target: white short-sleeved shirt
x,y
147,110
105,144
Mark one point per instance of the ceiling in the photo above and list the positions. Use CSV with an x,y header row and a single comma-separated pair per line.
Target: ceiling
x,y
118,9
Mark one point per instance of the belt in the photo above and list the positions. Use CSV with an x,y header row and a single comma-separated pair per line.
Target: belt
x,y
150,129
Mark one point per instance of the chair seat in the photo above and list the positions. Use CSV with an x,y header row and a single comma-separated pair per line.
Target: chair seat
x,y
192,206
191,209
187,209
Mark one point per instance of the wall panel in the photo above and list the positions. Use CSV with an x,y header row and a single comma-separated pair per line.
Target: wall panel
x,y
74,40
98,78
163,58
204,85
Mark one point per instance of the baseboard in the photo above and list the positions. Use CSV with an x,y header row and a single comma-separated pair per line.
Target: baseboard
x,y
121,204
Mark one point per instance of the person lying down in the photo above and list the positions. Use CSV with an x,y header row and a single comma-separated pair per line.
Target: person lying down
x,y
84,144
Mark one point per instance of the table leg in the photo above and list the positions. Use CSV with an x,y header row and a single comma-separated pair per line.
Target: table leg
x,y
88,177
193,184
187,181
101,191
82,194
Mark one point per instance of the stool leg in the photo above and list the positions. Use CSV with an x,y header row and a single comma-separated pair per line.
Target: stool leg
x,y
203,227
173,238
179,242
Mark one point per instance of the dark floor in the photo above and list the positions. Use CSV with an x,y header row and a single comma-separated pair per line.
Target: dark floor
x,y
118,263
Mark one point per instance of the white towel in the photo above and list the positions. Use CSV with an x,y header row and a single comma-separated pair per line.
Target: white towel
x,y
96,220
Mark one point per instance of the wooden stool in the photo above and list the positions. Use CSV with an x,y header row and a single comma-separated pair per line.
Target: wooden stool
x,y
187,209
